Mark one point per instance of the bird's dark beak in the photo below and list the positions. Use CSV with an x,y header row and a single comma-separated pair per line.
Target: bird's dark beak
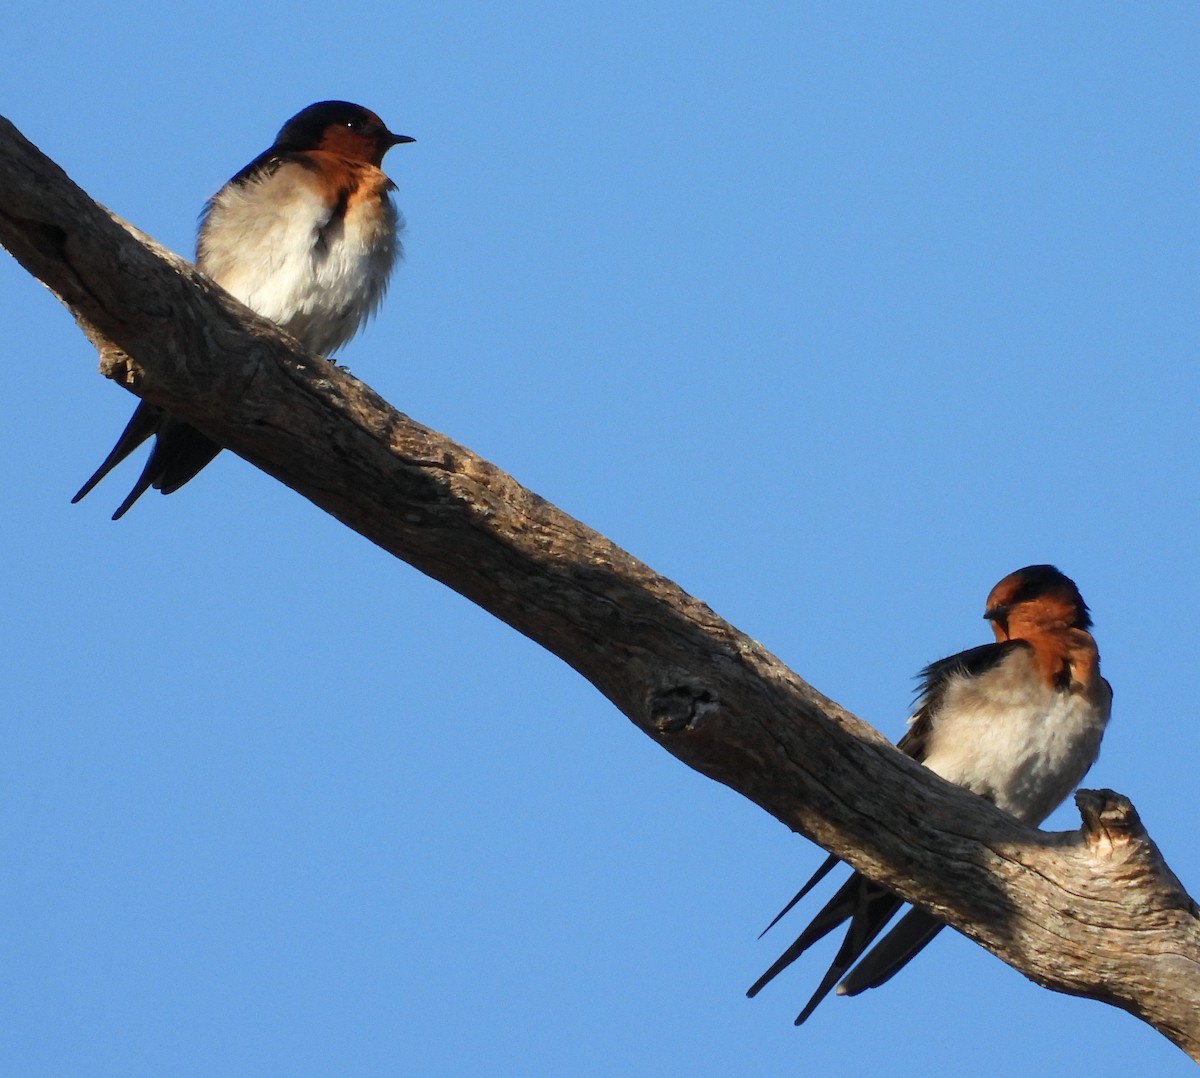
x,y
395,140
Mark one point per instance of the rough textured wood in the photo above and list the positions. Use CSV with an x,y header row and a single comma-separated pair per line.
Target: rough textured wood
x,y
1095,913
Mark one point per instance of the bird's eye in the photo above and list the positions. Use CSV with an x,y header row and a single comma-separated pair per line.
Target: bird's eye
x,y
354,125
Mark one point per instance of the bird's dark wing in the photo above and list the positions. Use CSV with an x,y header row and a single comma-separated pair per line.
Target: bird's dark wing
x,y
262,166
143,423
892,953
931,691
827,866
865,905
179,453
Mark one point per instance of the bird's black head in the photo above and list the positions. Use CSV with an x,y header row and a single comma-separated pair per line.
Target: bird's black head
x,y
341,127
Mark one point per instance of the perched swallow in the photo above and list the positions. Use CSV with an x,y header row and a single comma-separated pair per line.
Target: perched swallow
x,y
1018,721
307,235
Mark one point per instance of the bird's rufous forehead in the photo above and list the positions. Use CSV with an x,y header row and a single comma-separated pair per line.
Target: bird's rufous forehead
x,y
1042,587
1004,593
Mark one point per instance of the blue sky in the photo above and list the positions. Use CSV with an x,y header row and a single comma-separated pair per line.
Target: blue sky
x,y
833,313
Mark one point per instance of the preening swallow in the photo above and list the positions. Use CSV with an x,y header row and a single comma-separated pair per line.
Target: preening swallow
x,y
1018,721
306,235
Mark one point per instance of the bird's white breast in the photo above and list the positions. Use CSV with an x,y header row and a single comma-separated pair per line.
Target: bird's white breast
x,y
275,244
1011,738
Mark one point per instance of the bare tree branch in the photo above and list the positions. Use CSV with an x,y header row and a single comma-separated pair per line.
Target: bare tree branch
x,y
1093,913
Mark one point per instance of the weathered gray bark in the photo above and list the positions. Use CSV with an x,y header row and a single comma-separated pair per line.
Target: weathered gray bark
x,y
1094,913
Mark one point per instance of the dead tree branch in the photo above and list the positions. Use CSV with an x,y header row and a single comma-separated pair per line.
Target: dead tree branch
x,y
1093,913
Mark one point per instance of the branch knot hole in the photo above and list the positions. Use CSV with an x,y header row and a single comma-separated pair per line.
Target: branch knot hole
x,y
676,708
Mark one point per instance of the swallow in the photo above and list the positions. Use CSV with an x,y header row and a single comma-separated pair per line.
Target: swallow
x,y
1018,721
306,235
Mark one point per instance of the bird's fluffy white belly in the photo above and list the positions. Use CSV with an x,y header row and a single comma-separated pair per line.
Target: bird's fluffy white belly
x,y
318,280
1020,743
